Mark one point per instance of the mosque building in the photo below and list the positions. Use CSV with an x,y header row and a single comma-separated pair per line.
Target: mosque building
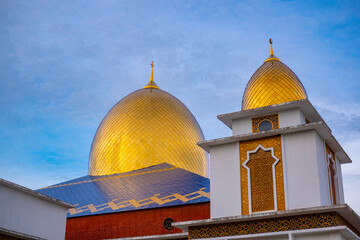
x,y
277,177
145,171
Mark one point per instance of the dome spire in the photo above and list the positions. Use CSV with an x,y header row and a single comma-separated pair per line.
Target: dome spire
x,y
272,83
271,57
152,84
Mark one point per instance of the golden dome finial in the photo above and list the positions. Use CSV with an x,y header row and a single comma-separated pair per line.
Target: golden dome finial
x,y
271,57
152,84
152,71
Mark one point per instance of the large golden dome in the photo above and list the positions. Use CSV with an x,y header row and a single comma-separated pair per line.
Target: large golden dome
x,y
272,83
147,127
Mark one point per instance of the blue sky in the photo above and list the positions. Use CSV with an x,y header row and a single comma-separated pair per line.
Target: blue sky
x,y
64,64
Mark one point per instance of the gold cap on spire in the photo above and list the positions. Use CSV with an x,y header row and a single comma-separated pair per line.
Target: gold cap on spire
x,y
271,57
152,84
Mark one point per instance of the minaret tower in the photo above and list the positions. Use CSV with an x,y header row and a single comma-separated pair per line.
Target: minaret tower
x,y
281,156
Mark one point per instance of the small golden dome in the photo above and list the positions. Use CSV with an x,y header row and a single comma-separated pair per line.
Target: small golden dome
x,y
272,83
147,127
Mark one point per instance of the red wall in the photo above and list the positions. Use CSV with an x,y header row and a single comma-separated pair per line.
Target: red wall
x,y
133,223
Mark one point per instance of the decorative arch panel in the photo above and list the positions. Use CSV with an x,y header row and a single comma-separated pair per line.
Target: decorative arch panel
x,y
262,181
332,176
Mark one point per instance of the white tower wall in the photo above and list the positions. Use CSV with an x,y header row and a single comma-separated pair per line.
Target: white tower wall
x,y
241,126
291,117
340,182
305,170
225,190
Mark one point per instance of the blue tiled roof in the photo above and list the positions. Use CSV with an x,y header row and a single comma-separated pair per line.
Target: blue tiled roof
x,y
157,186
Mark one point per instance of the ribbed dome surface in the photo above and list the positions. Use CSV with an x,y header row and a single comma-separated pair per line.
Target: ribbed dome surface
x,y
147,127
272,83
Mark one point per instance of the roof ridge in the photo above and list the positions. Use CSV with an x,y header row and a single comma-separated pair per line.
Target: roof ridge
x,y
106,178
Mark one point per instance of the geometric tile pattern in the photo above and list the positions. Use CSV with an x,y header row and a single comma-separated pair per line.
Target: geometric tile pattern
x,y
261,175
156,186
272,83
301,222
116,204
274,119
264,174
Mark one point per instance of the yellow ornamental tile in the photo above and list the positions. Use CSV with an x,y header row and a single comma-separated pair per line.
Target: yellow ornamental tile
x,y
147,127
274,142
